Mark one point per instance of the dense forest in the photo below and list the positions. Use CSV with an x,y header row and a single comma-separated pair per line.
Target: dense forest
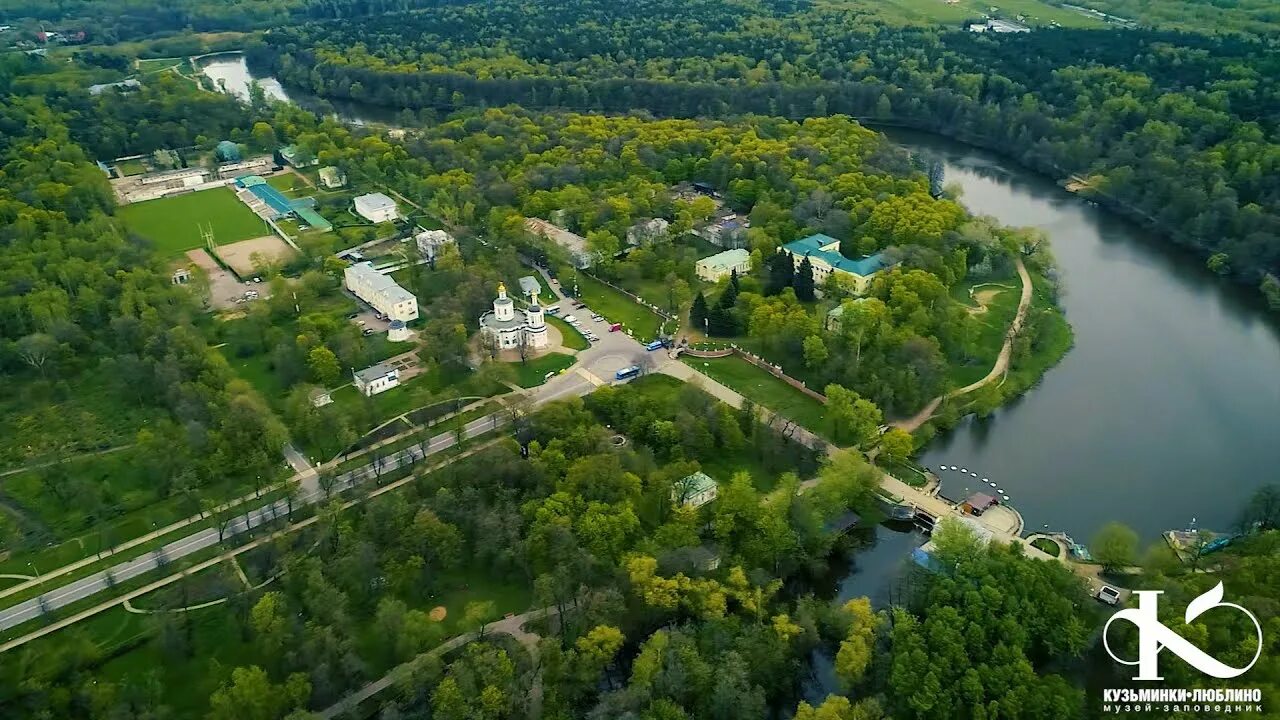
x,y
109,21
1261,17
1118,111
97,347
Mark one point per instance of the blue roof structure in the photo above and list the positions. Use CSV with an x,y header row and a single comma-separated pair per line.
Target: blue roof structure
x,y
814,244
274,199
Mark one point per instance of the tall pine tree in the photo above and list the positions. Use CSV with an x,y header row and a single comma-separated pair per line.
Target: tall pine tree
x,y
804,280
698,313
729,297
781,272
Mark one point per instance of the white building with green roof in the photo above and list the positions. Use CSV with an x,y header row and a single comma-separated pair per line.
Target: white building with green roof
x,y
694,490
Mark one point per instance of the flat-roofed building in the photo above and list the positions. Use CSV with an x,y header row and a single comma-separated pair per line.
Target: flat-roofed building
x,y
376,207
722,264
373,380
381,292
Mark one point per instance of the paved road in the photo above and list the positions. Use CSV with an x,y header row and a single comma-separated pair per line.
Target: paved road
x,y
598,363
309,492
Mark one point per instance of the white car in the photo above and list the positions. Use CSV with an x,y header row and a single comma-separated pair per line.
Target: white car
x,y
1108,595
597,318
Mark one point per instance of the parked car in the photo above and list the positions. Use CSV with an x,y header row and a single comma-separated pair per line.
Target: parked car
x,y
579,304
367,332
597,318
570,319
1108,595
257,279
615,327
353,316
593,339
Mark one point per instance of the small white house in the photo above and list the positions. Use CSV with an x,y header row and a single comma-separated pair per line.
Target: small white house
x,y
332,178
376,208
373,380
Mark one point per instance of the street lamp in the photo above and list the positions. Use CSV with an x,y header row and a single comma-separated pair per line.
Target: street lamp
x,y
32,565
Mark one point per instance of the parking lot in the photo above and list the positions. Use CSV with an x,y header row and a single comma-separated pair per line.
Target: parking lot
x,y
366,317
225,291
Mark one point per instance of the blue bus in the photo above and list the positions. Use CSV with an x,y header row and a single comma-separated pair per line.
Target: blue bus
x,y
626,373
654,345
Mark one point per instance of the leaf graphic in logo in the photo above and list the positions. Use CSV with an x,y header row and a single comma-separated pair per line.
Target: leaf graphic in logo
x,y
1209,600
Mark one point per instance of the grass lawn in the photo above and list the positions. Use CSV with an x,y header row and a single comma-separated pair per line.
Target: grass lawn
x,y
154,64
993,325
764,389
130,505
429,387
572,339
1036,13
616,307
1046,545
131,167
908,472
284,181
256,370
532,372
173,223
933,12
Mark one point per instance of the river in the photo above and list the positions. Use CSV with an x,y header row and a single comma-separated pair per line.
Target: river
x,y
1166,409
231,73
1168,406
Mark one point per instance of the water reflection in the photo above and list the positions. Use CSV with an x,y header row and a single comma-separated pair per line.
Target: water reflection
x,y
1170,390
874,570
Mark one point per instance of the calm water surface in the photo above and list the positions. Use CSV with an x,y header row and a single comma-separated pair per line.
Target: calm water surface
x,y
1168,406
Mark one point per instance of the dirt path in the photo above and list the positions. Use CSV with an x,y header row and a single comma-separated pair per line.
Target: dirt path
x,y
15,471
998,370
513,626
985,297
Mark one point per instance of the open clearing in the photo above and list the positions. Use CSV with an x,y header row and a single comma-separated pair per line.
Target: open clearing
x,y
764,389
616,307
173,223
239,255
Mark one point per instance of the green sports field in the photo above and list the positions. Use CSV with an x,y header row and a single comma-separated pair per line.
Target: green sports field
x,y
173,223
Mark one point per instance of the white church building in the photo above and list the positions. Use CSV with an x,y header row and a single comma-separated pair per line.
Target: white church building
x,y
510,327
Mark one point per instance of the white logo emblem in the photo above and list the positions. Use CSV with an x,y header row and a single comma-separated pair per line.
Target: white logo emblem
x,y
1153,636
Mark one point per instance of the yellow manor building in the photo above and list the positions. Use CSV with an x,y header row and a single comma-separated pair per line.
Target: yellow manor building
x,y
824,255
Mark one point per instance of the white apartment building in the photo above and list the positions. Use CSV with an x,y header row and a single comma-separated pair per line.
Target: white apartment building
x,y
381,292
